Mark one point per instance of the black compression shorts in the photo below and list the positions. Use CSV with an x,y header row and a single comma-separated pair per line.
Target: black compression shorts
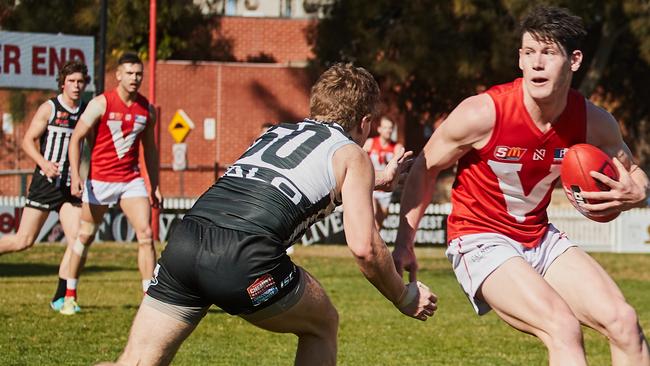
x,y
204,264
49,195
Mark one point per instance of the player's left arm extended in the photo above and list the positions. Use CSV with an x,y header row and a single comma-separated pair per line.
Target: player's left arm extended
x,y
151,151
631,189
369,250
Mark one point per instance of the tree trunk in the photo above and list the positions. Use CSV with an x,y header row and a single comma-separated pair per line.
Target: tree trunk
x,y
610,34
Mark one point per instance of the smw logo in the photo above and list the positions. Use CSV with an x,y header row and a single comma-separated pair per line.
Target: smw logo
x,y
509,153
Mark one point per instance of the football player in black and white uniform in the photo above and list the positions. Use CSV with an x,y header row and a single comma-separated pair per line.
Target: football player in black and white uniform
x,y
46,142
229,250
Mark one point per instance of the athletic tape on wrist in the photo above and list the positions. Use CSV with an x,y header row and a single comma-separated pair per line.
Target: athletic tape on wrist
x,y
408,296
145,241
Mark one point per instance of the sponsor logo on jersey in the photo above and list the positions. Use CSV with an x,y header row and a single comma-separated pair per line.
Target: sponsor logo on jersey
x,y
558,154
127,117
539,154
262,289
115,116
140,118
62,122
509,153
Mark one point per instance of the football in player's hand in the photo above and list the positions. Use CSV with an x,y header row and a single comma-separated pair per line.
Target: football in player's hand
x,y
576,165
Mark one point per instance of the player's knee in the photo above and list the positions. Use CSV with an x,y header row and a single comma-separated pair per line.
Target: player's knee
x,y
333,319
622,325
23,242
79,248
87,232
562,329
328,322
144,234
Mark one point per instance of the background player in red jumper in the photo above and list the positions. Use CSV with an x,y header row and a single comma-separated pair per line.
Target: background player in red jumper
x,y
509,143
119,118
381,149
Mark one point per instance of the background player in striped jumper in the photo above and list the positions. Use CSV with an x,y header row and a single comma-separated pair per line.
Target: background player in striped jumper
x,y
120,119
46,142
381,150
509,143
229,250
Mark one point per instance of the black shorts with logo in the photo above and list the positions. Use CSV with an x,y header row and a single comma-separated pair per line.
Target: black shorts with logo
x,y
49,194
204,264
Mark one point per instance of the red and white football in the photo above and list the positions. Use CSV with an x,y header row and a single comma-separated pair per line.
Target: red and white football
x,y
578,161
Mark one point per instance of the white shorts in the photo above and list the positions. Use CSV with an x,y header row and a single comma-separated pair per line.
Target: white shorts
x,y
382,198
475,256
107,193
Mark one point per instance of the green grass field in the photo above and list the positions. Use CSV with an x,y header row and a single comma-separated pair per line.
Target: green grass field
x,y
372,331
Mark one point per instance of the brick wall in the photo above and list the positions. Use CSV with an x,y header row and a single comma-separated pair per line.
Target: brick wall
x,y
240,96
284,39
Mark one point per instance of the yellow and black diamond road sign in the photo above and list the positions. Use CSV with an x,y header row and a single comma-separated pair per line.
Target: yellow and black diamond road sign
x,y
180,126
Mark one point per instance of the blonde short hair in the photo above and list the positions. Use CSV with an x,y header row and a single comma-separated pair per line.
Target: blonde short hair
x,y
344,94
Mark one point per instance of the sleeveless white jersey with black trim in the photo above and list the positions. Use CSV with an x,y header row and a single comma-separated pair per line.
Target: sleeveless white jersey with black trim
x,y
54,142
281,185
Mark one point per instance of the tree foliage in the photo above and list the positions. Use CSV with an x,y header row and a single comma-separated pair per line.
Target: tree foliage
x,y
430,54
184,30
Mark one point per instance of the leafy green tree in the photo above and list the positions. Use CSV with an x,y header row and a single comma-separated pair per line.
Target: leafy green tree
x,y
430,54
184,30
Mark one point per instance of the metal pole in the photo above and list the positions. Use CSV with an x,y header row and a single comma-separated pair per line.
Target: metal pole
x,y
101,72
152,51
155,211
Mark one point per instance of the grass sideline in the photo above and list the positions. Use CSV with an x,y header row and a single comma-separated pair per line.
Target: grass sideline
x,y
372,331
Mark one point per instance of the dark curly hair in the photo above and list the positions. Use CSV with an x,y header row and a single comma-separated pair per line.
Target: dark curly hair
x,y
71,67
558,25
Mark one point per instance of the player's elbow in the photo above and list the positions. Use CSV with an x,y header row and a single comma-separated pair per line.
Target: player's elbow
x,y
363,253
25,144
75,138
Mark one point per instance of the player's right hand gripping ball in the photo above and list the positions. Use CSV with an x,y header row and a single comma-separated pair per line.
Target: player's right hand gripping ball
x,y
576,165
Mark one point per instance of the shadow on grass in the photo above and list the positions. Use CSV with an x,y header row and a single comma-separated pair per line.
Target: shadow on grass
x,y
39,269
132,306
215,310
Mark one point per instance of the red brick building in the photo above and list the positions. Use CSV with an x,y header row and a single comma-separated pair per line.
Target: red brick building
x,y
239,96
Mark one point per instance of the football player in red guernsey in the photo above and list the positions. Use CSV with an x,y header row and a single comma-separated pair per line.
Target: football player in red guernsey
x,y
120,119
381,150
509,143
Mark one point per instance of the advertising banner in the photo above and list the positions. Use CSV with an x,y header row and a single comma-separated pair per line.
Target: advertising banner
x,y
32,60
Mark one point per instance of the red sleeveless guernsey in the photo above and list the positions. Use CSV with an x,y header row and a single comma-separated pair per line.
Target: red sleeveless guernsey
x,y
381,155
506,186
114,157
